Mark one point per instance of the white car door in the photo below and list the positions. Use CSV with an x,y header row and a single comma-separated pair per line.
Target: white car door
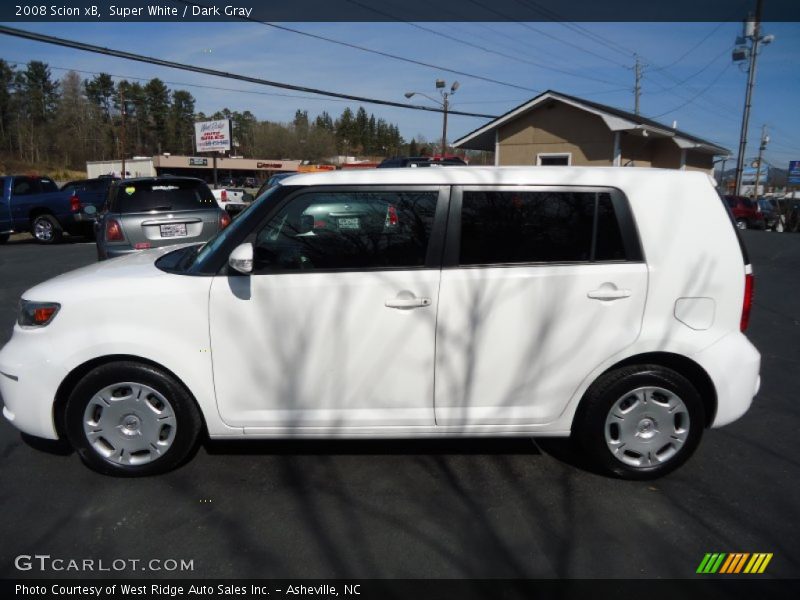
x,y
335,328
535,294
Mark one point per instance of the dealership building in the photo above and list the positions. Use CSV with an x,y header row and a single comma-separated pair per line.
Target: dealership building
x,y
557,129
192,166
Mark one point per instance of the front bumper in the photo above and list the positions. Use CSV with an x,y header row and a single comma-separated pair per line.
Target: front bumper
x,y
29,381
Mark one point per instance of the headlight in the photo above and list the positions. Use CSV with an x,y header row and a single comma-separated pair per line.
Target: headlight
x,y
36,314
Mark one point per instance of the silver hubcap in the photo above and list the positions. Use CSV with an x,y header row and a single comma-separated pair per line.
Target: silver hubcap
x,y
43,229
647,427
129,423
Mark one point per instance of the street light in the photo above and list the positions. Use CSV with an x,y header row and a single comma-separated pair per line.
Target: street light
x,y
445,104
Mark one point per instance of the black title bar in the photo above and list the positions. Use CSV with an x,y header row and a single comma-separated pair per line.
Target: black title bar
x,y
20,11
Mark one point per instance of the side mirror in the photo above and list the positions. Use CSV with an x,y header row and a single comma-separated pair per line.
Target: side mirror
x,y
241,259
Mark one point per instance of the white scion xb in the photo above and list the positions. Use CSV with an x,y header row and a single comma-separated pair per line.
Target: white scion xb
x,y
406,303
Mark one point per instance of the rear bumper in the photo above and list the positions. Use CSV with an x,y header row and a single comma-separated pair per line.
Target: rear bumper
x,y
734,365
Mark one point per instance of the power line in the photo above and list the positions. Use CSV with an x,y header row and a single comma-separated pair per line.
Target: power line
x,y
544,33
481,48
724,52
692,49
381,53
30,35
595,37
696,96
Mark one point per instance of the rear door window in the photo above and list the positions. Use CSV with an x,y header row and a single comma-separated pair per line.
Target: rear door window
x,y
162,196
518,227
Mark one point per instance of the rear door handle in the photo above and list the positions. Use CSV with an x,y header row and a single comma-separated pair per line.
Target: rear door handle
x,y
408,302
608,294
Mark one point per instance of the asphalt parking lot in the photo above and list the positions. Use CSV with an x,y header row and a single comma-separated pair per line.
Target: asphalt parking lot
x,y
445,509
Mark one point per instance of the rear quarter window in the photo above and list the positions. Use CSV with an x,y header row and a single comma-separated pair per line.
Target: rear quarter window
x,y
518,227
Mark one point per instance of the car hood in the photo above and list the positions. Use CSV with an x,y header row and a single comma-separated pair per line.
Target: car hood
x,y
137,267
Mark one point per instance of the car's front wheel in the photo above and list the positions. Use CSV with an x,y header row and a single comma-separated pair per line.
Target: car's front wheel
x,y
640,422
132,419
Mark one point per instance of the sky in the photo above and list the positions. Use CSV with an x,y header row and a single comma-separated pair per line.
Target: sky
x,y
688,74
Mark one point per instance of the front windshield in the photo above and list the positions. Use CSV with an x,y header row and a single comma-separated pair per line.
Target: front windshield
x,y
231,230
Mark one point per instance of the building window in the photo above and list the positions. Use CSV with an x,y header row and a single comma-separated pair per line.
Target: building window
x,y
545,159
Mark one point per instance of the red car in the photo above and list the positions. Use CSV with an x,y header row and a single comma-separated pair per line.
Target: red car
x,y
746,212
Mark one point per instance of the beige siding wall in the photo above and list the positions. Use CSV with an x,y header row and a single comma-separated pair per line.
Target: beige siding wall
x,y
699,161
666,154
556,128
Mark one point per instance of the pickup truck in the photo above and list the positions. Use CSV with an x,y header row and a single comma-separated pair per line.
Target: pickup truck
x,y
232,200
35,204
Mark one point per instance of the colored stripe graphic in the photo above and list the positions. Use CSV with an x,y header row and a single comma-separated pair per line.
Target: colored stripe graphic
x,y
711,562
733,563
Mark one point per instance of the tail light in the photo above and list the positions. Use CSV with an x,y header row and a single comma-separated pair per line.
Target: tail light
x,y
114,231
391,216
747,304
74,203
224,220
224,196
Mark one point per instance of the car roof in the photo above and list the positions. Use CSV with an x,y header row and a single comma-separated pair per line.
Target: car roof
x,y
160,178
572,176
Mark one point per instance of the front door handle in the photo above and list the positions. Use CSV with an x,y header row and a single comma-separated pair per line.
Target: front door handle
x,y
408,303
608,293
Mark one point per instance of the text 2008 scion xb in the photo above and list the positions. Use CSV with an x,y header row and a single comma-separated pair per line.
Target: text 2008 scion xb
x,y
406,303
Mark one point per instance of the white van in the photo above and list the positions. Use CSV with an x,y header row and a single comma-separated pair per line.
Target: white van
x,y
606,304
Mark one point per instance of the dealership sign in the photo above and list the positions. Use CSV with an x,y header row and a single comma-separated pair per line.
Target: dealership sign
x,y
794,172
212,136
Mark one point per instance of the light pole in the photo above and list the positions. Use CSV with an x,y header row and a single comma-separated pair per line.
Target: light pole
x,y
761,148
445,104
741,52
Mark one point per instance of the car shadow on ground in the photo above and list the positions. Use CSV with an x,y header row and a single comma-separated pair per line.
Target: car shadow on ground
x,y
56,447
305,447
25,239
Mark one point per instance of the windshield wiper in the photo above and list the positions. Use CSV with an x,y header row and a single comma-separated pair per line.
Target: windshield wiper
x,y
165,207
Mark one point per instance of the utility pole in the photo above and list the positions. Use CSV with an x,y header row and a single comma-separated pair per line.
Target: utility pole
x,y
752,33
761,148
122,134
637,90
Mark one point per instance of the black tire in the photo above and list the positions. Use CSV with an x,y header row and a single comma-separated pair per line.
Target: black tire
x,y
594,423
101,455
4,237
46,229
742,224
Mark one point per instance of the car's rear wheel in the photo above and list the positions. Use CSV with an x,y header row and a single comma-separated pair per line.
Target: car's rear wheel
x,y
46,229
132,419
640,422
4,237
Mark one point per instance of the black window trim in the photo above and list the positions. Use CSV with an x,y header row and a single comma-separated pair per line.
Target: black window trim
x,y
433,256
622,210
